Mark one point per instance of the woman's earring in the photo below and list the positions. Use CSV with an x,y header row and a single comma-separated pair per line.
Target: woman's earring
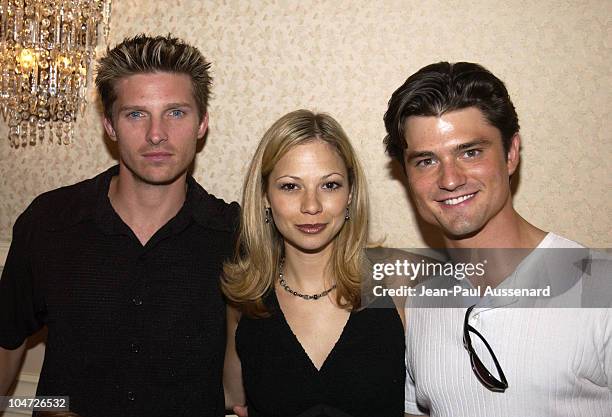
x,y
347,216
268,215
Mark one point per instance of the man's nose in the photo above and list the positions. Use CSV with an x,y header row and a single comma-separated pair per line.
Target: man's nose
x,y
451,176
157,132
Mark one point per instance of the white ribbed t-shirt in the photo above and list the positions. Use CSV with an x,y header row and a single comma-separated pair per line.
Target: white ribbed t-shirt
x,y
558,361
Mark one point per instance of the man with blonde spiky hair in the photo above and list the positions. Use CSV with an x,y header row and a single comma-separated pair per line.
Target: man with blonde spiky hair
x,y
123,268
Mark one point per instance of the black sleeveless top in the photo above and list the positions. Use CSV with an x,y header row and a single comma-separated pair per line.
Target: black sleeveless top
x,y
363,376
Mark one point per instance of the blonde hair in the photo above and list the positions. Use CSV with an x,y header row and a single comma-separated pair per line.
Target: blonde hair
x,y
144,54
255,267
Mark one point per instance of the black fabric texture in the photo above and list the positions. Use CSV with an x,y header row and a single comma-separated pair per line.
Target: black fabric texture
x,y
363,376
132,330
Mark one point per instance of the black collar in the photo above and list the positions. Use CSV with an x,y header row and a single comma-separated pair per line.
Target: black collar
x,y
89,201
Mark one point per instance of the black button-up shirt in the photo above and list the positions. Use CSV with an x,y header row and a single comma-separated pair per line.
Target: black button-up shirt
x,y
133,330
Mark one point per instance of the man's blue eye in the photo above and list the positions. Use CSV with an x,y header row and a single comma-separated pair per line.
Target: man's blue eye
x,y
134,114
177,113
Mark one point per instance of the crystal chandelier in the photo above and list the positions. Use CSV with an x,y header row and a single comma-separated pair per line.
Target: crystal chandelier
x,y
47,48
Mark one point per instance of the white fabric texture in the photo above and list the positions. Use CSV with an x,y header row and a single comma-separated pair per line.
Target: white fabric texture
x,y
558,361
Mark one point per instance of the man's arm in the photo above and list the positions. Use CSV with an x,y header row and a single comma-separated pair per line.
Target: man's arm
x,y
410,395
232,369
10,360
607,347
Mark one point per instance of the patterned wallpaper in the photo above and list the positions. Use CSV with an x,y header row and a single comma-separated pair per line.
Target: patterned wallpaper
x,y
346,57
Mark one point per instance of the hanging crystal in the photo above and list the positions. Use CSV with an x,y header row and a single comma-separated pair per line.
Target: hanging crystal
x,y
47,50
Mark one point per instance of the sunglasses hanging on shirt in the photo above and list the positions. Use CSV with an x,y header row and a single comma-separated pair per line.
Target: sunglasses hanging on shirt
x,y
483,375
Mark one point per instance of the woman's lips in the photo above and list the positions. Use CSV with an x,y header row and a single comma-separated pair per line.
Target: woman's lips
x,y
311,228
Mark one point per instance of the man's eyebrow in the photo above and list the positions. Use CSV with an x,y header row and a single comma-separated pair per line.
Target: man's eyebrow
x,y
473,143
128,107
410,155
185,104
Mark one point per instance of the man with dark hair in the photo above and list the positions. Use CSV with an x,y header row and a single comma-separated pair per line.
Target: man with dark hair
x,y
455,131
124,268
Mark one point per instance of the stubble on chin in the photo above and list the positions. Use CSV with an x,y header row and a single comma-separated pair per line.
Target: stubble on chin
x,y
149,176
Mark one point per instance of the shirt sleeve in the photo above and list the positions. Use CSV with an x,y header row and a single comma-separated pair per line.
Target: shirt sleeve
x,y
607,348
410,396
21,306
410,399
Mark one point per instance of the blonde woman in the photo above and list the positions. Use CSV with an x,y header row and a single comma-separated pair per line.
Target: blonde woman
x,y
299,338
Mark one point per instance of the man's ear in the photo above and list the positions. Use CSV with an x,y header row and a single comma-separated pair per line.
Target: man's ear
x,y
203,126
108,127
513,157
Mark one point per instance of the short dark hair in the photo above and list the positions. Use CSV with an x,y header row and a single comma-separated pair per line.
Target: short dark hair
x,y
144,54
443,87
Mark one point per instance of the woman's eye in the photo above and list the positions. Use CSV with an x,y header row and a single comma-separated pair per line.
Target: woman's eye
x,y
332,185
288,186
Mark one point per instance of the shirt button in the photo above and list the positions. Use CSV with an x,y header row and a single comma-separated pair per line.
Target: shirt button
x,y
135,347
137,301
131,396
